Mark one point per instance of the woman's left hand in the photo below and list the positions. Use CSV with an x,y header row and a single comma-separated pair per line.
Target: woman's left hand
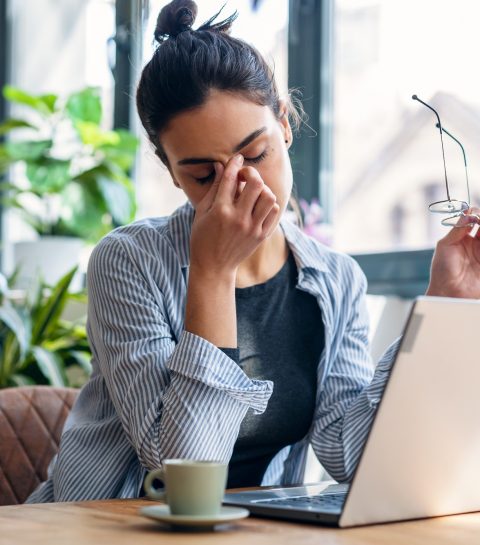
x,y
455,270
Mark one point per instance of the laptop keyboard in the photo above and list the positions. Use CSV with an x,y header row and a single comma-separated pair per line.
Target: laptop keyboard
x,y
321,501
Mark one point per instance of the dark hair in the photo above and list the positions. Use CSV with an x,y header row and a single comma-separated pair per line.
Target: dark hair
x,y
188,64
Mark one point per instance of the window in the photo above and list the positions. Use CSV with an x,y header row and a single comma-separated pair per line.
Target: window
x,y
387,154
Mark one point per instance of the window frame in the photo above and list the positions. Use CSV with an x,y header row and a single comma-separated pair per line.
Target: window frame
x,y
127,52
5,49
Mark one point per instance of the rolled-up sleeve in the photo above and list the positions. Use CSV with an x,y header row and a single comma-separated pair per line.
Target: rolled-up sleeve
x,y
180,398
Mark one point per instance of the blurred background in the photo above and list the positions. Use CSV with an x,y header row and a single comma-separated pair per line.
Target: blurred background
x,y
75,163
370,155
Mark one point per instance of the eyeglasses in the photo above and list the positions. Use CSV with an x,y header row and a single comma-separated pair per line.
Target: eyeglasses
x,y
459,209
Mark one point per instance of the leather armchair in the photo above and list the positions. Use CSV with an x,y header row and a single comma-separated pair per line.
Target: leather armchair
x,y
31,423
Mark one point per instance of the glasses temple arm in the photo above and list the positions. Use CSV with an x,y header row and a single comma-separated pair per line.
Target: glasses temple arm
x,y
464,156
414,97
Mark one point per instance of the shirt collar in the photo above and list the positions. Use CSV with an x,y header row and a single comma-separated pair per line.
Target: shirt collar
x,y
308,253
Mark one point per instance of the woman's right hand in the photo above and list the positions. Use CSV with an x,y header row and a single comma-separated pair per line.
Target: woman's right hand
x,y
229,225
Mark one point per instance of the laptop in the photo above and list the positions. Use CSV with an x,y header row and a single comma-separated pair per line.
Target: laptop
x,y
422,455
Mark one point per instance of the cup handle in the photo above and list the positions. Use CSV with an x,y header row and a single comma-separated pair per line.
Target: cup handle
x,y
150,490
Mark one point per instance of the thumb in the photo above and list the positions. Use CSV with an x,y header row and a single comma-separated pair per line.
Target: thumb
x,y
462,228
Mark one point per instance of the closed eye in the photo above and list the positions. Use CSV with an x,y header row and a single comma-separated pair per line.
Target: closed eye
x,y
206,179
253,160
258,158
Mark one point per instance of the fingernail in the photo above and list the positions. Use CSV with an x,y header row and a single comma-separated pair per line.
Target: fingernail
x,y
239,158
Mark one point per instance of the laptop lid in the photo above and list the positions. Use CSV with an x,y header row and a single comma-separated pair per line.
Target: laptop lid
x,y
422,455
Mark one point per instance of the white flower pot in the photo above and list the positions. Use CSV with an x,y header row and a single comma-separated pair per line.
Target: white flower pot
x,y
50,256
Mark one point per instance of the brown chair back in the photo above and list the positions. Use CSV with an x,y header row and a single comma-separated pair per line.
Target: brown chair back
x,y
31,422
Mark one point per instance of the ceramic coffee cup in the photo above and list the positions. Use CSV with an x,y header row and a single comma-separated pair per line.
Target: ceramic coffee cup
x,y
191,487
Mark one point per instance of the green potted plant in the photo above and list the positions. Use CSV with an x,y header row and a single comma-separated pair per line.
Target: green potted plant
x,y
37,344
70,177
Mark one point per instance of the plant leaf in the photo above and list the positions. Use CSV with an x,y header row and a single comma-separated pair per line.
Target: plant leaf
x,y
7,186
118,198
83,359
51,366
42,104
21,380
3,285
93,135
13,277
11,124
49,100
124,151
48,314
104,200
27,150
5,159
85,105
19,324
48,175
31,217
84,209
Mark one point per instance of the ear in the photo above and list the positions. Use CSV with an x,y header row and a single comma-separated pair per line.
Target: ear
x,y
285,123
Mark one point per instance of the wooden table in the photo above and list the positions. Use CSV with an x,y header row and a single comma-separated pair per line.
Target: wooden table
x,y
117,522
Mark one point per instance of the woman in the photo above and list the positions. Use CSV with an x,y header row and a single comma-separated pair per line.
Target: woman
x,y
223,332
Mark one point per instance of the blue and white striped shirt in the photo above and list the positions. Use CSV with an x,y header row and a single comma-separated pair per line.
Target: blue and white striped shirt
x,y
158,391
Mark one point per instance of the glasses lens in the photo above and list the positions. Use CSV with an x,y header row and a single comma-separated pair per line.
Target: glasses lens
x,y
461,220
448,207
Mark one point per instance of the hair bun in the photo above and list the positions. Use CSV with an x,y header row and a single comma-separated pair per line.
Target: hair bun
x,y
174,18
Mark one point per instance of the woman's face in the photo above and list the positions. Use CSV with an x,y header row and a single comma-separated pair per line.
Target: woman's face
x,y
225,125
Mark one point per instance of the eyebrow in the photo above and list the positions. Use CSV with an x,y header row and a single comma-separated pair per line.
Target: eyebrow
x,y
199,160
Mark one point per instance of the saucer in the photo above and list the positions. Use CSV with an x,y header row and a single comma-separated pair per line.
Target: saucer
x,y
162,514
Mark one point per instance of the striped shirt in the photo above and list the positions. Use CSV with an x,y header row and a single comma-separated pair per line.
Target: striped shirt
x,y
158,391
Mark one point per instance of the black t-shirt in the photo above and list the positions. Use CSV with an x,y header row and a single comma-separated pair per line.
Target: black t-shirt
x,y
280,338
